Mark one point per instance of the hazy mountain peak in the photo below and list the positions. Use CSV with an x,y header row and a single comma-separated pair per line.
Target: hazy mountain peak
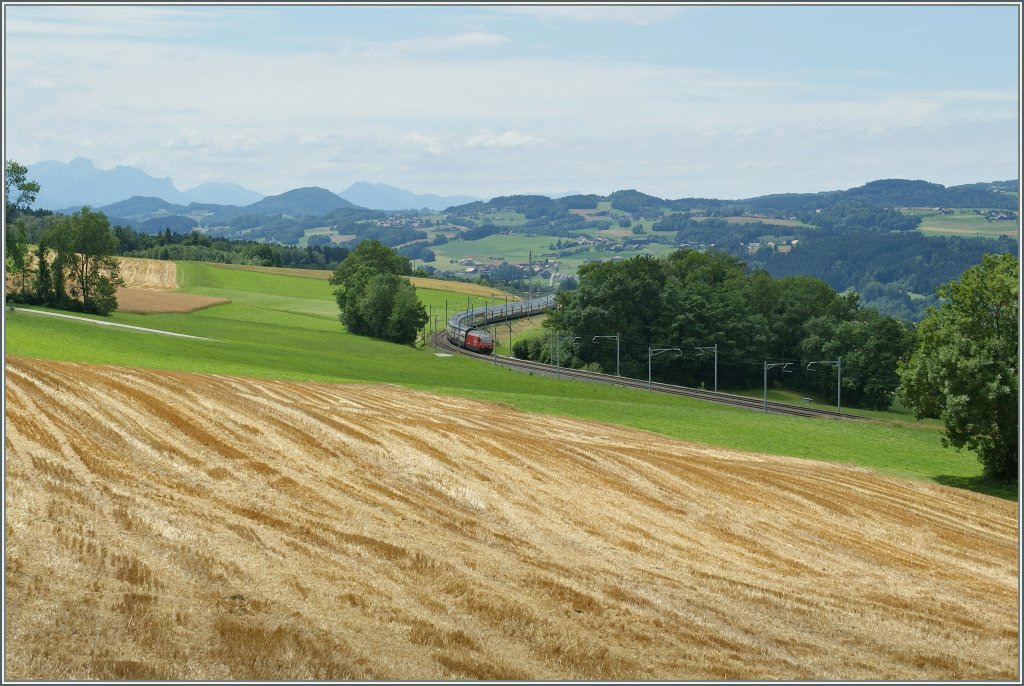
x,y
381,196
79,182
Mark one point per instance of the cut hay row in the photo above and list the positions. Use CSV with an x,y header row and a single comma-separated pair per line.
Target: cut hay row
x,y
165,525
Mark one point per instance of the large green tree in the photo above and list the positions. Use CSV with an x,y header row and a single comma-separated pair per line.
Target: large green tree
x,y
85,262
19,194
869,347
965,369
374,298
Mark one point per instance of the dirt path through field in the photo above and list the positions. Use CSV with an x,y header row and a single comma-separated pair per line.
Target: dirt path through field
x,y
166,525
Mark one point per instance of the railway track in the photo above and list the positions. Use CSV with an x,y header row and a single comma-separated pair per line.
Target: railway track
x,y
441,342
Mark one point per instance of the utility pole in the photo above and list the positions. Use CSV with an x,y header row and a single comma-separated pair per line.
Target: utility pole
x,y
558,351
616,337
651,352
714,348
768,366
839,380
531,275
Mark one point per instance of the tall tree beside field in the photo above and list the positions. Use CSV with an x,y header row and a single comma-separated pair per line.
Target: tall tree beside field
x,y
85,259
19,194
374,298
965,369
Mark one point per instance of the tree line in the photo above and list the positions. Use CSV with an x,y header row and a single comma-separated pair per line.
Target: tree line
x,y
199,247
73,266
693,300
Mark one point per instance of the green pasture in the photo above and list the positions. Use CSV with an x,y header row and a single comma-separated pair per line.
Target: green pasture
x,y
962,223
507,218
285,327
510,248
515,248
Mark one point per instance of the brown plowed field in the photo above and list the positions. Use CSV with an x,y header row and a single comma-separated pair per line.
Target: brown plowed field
x,y
142,301
166,525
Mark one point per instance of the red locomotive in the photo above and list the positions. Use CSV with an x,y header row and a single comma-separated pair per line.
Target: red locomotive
x,y
478,341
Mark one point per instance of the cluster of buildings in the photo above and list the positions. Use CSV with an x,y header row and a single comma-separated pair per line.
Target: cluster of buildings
x,y
403,220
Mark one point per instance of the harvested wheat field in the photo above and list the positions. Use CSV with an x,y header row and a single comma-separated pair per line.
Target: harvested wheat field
x,y
166,525
149,285
154,275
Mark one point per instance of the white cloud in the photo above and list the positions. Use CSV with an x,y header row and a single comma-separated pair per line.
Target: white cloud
x,y
461,41
429,143
187,139
508,139
445,113
622,14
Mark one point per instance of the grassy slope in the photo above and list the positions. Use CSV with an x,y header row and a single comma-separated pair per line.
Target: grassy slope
x,y
286,327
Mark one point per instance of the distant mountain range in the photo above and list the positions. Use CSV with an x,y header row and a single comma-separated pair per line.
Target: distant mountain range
x,y
379,196
150,214
80,182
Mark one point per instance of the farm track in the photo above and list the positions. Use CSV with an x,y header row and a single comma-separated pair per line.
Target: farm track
x,y
174,526
442,342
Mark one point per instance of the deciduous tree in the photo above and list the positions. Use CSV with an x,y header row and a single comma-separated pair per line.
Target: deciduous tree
x,y
374,298
965,369
85,261
19,192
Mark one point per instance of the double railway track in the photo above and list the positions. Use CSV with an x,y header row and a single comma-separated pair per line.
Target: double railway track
x,y
442,343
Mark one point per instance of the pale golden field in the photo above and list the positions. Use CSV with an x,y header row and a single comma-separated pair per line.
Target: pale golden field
x,y
164,525
151,275
149,286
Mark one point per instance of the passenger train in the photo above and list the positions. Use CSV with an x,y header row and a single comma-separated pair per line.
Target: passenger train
x,y
462,329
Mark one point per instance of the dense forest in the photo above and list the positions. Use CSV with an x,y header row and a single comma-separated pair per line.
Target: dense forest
x,y
201,248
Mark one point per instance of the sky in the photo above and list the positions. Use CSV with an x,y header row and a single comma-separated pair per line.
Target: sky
x,y
672,100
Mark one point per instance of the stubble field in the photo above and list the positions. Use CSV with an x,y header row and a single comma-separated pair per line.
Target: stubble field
x,y
149,287
169,525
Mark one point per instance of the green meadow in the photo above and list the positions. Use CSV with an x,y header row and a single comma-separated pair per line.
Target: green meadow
x,y
286,327
516,248
962,223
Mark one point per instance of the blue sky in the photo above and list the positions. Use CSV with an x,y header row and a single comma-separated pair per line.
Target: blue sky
x,y
673,100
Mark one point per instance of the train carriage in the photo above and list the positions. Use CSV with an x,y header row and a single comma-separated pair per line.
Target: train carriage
x,y
462,327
